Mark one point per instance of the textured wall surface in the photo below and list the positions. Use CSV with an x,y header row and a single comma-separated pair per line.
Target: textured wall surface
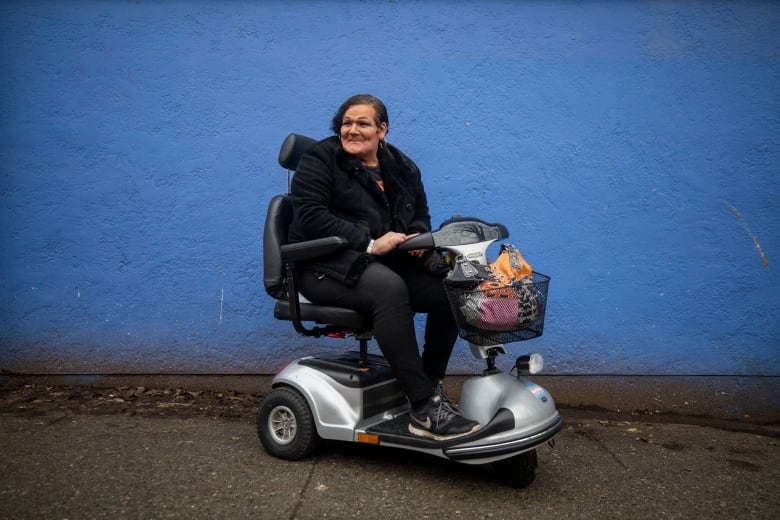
x,y
630,147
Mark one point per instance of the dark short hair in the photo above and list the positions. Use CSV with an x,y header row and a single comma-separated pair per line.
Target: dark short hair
x,y
360,99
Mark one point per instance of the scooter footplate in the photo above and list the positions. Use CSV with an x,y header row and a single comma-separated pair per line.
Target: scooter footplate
x,y
396,431
398,426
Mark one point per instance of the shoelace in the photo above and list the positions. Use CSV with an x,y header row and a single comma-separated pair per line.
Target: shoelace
x,y
443,412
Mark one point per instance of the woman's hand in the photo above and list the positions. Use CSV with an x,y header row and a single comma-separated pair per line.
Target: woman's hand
x,y
390,241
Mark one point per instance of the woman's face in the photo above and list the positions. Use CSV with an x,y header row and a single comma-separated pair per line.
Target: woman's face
x,y
359,134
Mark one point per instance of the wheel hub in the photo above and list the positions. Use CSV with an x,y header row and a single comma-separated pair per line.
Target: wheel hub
x,y
282,424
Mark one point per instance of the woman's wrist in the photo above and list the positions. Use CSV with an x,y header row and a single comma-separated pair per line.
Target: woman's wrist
x,y
370,248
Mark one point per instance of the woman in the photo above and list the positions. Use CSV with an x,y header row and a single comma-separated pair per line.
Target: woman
x,y
356,186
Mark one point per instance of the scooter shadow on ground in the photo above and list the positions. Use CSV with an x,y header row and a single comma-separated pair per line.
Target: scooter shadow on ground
x,y
389,461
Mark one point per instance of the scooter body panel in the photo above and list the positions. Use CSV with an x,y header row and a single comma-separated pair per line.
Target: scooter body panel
x,y
535,420
348,399
343,395
482,396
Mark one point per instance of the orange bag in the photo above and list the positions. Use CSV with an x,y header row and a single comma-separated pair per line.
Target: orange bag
x,y
510,266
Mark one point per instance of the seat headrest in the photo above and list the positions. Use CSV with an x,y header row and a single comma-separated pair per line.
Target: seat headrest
x,y
293,147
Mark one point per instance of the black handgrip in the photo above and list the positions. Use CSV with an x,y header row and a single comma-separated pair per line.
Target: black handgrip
x,y
421,241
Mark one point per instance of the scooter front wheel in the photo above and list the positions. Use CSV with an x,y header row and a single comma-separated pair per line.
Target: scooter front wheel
x,y
518,471
285,424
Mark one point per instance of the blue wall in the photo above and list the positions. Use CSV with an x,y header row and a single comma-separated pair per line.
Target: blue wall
x,y
631,148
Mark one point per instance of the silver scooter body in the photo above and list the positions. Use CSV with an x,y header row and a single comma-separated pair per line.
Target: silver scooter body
x,y
362,402
516,414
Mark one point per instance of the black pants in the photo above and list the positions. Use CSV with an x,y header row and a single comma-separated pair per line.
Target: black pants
x,y
390,291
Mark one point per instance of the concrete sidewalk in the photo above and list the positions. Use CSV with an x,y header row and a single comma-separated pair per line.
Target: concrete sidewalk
x,y
58,462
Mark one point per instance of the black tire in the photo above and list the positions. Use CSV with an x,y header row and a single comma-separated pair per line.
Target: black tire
x,y
285,424
518,471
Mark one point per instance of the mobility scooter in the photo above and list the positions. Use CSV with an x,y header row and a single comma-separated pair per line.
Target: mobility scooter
x,y
354,396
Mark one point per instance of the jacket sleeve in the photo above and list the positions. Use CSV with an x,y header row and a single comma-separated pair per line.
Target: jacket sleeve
x,y
312,193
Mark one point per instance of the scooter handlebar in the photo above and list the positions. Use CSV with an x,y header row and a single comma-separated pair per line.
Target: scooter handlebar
x,y
421,241
457,231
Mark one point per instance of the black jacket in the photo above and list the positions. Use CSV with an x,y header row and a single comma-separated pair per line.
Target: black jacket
x,y
333,195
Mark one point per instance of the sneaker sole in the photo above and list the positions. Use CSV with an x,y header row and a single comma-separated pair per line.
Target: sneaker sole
x,y
421,432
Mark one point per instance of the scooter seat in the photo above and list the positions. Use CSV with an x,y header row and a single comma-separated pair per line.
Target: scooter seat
x,y
338,317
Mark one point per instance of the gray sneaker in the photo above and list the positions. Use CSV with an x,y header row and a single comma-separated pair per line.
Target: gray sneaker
x,y
440,422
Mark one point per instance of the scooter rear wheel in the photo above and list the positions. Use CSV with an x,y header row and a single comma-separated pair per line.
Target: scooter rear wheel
x,y
285,424
518,471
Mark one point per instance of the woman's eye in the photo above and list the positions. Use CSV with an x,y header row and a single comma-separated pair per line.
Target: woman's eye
x,y
361,124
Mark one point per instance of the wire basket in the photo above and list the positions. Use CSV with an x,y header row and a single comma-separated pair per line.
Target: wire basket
x,y
492,313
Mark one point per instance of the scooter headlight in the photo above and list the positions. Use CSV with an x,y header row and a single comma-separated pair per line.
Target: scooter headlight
x,y
530,364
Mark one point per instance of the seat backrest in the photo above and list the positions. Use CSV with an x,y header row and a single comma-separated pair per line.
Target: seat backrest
x,y
292,149
278,219
277,224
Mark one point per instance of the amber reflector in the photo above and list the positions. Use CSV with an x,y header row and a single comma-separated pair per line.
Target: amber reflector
x,y
368,438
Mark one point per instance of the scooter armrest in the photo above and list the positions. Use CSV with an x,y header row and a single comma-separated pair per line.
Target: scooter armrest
x,y
301,251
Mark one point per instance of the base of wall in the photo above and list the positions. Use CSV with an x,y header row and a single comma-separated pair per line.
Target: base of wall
x,y
746,399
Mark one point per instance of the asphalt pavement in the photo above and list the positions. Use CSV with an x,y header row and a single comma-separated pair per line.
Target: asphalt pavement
x,y
71,455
